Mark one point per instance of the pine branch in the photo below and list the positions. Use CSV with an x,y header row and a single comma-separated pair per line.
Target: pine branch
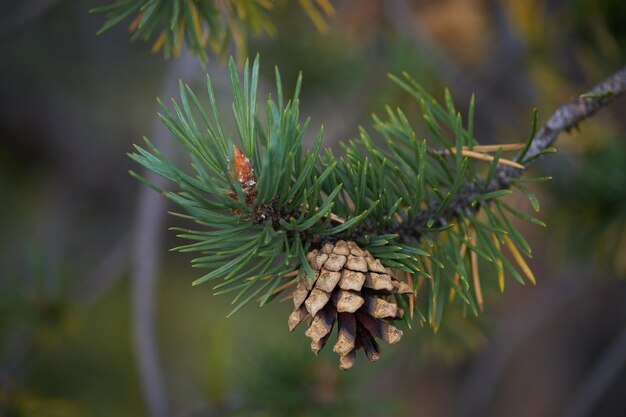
x,y
199,25
566,117
264,205
569,115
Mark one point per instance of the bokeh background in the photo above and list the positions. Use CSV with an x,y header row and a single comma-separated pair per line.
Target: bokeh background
x,y
76,229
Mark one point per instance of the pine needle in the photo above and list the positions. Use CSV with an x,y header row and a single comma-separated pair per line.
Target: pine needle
x,y
456,275
489,158
326,6
287,275
280,288
496,243
520,260
197,26
179,44
471,152
135,23
409,280
285,298
336,218
494,148
315,16
429,269
158,44
475,274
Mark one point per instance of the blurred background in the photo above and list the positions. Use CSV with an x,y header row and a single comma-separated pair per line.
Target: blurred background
x,y
80,238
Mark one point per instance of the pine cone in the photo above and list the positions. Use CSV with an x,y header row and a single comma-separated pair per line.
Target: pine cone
x,y
349,285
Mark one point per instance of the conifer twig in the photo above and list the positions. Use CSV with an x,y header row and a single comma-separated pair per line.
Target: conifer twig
x,y
565,118
569,115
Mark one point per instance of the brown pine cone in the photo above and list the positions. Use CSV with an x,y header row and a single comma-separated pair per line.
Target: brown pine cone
x,y
351,286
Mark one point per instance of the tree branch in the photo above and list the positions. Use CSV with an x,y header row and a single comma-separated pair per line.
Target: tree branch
x,y
566,117
569,115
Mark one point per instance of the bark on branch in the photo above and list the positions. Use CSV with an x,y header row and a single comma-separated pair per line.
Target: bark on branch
x,y
569,115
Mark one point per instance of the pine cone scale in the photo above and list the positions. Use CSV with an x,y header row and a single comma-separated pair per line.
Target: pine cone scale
x,y
316,301
327,280
346,335
351,280
348,360
319,261
296,317
378,281
370,347
379,329
335,262
355,263
347,301
381,309
322,324
300,294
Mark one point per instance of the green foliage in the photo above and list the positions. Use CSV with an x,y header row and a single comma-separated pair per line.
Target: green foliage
x,y
288,210
420,206
199,24
399,182
594,198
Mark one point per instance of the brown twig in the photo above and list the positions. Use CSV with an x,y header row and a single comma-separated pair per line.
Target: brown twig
x,y
488,158
571,114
